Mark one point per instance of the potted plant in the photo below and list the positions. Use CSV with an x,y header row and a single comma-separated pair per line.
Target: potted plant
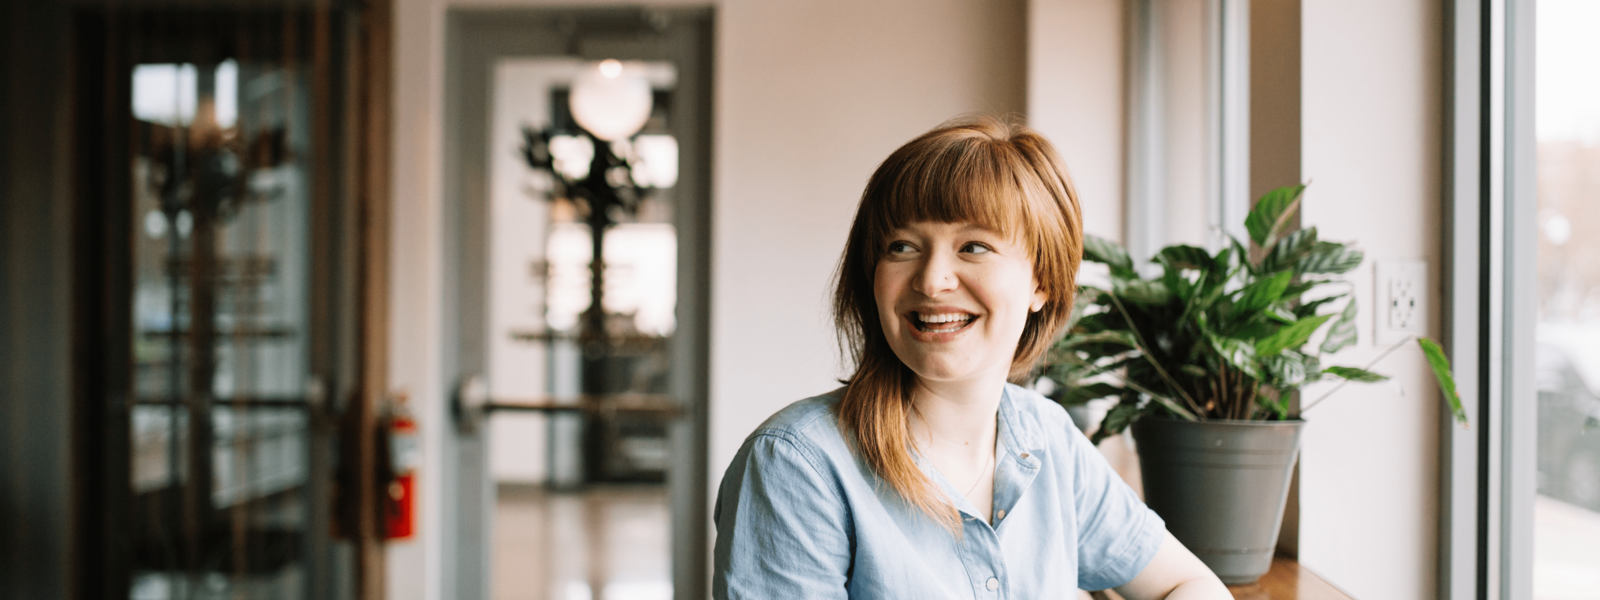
x,y
1202,355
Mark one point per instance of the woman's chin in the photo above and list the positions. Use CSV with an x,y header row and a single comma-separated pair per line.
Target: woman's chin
x,y
940,372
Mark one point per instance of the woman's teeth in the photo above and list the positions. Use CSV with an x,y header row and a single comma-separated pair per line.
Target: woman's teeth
x,y
942,323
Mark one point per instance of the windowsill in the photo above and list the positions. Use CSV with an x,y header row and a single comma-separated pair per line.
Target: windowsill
x,y
1286,581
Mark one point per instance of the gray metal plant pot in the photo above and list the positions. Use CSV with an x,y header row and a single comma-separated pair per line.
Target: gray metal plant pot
x,y
1220,486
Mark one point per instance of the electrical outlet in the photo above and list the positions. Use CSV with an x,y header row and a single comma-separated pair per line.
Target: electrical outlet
x,y
1401,302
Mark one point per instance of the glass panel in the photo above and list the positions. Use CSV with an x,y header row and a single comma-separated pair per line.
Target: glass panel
x,y
581,510
220,300
1567,508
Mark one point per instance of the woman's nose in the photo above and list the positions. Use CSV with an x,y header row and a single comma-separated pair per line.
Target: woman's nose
x,y
935,275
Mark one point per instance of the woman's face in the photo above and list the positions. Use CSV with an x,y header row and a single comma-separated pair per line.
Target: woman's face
x,y
953,299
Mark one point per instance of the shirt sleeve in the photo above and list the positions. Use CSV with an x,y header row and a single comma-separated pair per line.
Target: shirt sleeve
x,y
1117,534
782,527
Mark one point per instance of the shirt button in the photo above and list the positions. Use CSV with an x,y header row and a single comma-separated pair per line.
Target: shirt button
x,y
1000,515
1024,455
993,584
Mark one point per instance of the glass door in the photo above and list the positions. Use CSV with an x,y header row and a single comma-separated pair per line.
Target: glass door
x,y
221,141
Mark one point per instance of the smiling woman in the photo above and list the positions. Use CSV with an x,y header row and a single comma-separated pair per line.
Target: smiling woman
x,y
928,469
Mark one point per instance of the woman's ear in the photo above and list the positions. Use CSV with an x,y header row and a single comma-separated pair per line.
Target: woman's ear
x,y
1039,300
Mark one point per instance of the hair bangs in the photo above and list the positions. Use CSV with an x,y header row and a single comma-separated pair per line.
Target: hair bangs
x,y
969,179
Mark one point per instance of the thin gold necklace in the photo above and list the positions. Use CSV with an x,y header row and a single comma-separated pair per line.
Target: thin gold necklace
x,y
986,465
985,471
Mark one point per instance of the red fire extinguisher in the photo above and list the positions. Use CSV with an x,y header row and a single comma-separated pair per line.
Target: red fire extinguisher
x,y
400,506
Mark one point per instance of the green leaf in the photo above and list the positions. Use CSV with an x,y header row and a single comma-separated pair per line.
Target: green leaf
x,y
1116,337
1117,420
1288,252
1356,375
1286,369
1297,288
1309,308
1447,381
1279,407
1278,313
1079,394
1240,354
1263,292
1241,254
1343,332
1100,321
1330,258
1141,291
1270,217
1291,336
1101,250
1179,257
1223,263
1254,330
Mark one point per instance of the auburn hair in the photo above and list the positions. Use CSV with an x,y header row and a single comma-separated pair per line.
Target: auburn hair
x,y
998,175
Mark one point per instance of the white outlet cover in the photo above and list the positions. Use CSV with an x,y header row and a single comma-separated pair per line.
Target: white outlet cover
x,y
1400,300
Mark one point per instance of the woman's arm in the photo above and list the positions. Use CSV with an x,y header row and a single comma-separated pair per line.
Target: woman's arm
x,y
1175,574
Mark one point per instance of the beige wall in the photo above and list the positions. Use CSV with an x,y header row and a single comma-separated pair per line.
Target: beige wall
x,y
1371,81
1076,98
415,567
810,97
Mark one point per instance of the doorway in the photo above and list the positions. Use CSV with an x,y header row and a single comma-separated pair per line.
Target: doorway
x,y
576,303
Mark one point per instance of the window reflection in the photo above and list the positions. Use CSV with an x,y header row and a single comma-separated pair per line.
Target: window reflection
x,y
1567,509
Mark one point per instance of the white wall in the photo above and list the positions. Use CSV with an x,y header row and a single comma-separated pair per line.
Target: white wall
x,y
1371,77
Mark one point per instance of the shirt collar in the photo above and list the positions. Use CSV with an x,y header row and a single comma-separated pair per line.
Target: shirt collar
x,y
1018,432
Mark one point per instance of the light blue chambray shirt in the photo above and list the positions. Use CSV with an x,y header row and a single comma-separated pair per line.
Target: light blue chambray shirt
x,y
800,516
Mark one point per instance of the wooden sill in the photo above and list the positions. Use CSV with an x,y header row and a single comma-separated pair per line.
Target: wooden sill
x,y
1286,581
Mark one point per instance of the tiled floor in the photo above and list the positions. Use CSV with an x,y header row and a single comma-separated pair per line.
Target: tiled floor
x,y
604,543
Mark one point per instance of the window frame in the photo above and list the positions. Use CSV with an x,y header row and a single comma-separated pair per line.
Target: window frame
x,y
1487,472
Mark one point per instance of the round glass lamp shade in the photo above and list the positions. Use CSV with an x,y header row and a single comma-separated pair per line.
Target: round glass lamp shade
x,y
610,102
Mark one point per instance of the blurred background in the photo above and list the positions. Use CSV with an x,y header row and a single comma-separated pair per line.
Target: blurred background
x,y
423,299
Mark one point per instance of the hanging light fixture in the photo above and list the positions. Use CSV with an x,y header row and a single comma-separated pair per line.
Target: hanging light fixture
x,y
609,101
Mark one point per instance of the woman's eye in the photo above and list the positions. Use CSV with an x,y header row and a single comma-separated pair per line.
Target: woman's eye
x,y
975,248
899,247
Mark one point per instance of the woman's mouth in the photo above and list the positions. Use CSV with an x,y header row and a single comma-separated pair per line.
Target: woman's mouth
x,y
941,322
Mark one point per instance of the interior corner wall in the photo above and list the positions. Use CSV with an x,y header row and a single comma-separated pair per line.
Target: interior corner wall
x,y
1372,117
1077,99
1275,80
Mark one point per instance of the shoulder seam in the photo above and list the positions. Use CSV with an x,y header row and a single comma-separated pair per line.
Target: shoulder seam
x,y
805,453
